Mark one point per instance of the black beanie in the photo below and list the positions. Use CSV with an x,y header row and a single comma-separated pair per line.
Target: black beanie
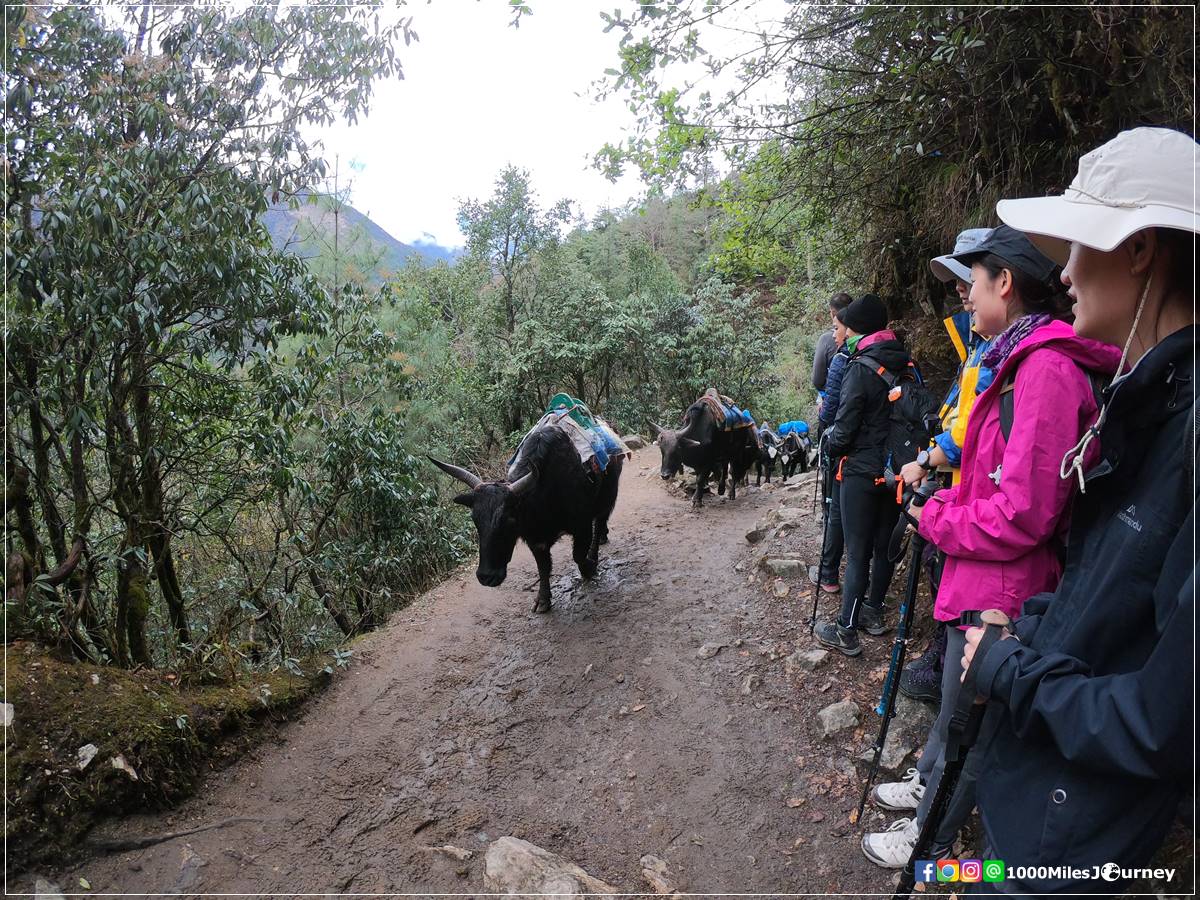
x,y
866,315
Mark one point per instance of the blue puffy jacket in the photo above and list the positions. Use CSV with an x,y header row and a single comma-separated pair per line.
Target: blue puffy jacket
x,y
833,386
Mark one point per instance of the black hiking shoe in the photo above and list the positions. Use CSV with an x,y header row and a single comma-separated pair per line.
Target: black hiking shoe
x,y
921,683
834,636
930,659
870,620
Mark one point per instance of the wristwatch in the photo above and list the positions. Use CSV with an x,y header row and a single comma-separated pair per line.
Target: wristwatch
x,y
923,461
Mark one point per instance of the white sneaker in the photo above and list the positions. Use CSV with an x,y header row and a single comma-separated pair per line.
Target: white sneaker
x,y
892,848
900,796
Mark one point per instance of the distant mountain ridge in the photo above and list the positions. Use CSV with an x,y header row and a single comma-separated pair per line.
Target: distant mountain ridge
x,y
307,231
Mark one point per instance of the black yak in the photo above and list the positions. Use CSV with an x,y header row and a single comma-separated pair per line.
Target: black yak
x,y
703,446
548,493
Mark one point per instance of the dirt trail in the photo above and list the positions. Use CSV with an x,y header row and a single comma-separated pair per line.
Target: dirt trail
x,y
596,732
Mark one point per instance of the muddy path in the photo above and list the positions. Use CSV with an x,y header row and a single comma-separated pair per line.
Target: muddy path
x,y
597,732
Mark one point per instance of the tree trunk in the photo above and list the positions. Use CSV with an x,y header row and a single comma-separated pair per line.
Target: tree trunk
x,y
17,500
41,464
87,614
133,608
339,617
158,537
131,600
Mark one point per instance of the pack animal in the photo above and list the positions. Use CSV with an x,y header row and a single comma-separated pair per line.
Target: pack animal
x,y
703,446
548,494
770,453
796,453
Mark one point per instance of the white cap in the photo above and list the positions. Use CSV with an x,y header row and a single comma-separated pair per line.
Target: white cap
x,y
947,268
1142,178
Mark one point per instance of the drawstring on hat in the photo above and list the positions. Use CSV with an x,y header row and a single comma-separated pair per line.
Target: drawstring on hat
x,y
1073,460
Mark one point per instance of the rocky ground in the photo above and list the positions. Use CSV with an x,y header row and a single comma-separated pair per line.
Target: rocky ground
x,y
670,725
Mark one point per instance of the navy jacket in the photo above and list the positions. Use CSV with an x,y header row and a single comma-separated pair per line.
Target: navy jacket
x,y
833,387
1096,745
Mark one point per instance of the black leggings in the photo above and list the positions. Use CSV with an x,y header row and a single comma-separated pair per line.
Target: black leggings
x,y
869,513
831,546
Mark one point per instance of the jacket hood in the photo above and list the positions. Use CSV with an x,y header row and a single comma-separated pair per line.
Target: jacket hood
x,y
886,348
1092,356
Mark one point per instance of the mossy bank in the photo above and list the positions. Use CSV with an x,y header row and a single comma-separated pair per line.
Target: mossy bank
x,y
88,741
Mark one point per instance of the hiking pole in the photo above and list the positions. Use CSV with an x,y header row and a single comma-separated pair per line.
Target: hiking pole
x,y
828,502
819,480
961,736
891,684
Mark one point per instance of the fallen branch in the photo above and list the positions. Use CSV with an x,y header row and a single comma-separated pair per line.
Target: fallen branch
x,y
140,843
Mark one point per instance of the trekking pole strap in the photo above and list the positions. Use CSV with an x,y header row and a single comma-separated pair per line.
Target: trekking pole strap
x,y
917,497
958,737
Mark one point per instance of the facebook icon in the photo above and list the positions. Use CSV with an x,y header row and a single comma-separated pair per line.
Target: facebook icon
x,y
925,870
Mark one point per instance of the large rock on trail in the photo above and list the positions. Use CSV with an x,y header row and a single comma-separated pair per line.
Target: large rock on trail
x,y
786,516
906,736
658,875
513,866
837,717
805,660
783,565
634,441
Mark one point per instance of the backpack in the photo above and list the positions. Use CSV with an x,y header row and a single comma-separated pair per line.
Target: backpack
x,y
913,415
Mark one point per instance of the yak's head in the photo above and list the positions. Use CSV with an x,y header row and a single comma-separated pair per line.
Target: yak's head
x,y
670,445
493,506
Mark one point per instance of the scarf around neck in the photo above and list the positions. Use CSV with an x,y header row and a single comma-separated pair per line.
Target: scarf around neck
x,y
1008,339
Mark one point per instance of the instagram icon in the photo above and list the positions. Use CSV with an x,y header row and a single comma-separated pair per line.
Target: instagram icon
x,y
972,870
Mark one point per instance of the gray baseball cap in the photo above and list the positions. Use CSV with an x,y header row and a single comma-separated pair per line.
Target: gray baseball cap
x,y
947,268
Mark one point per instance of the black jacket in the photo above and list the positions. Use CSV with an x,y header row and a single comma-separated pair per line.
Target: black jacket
x,y
1096,746
860,430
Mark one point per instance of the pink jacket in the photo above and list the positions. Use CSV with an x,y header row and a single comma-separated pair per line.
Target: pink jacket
x,y
1002,535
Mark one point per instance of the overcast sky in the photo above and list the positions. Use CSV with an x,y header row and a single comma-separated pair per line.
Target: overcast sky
x,y
477,95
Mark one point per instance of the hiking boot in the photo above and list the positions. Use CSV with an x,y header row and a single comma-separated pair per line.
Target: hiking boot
x,y
900,796
930,659
921,684
892,848
870,620
834,636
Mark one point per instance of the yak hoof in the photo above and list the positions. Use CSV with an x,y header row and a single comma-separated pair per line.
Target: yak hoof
x,y
603,537
541,605
587,568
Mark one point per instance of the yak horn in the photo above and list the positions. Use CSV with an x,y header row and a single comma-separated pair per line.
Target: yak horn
x,y
470,479
524,484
